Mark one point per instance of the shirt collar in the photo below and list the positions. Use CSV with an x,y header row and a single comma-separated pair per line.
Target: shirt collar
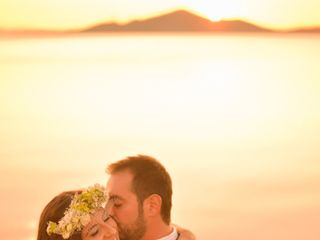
x,y
172,236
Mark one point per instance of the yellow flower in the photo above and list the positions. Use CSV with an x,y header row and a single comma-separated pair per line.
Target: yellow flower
x,y
78,213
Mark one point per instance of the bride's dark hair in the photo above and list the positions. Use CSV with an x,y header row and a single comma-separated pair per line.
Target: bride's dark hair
x,y
54,211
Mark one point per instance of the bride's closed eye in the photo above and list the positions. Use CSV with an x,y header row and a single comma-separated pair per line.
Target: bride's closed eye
x,y
94,231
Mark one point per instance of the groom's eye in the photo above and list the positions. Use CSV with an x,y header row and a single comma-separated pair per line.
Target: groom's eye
x,y
117,205
117,201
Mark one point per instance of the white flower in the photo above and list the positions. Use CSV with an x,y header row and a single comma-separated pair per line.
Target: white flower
x,y
85,219
78,213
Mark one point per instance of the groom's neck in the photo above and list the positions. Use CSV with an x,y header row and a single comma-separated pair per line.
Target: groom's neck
x,y
157,229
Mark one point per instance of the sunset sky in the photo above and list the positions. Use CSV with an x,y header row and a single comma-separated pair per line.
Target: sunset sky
x,y
234,118
61,14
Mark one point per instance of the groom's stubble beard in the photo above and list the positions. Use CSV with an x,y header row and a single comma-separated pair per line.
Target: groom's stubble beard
x,y
134,231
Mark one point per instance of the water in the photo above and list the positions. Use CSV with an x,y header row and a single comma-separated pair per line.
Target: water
x,y
234,118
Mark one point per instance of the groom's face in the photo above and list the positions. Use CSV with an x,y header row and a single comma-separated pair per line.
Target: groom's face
x,y
126,211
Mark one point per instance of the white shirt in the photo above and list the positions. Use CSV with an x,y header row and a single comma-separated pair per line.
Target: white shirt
x,y
172,236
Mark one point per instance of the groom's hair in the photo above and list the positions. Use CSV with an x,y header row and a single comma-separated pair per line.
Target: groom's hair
x,y
149,177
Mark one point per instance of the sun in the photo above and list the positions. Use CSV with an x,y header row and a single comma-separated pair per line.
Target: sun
x,y
218,10
215,18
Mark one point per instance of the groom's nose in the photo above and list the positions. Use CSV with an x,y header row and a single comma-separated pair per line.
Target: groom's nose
x,y
109,207
111,211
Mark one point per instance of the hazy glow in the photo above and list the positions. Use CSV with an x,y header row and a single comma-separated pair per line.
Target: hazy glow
x,y
62,14
235,119
217,10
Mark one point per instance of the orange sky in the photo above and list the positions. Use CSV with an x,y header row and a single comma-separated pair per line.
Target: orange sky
x,y
235,121
60,14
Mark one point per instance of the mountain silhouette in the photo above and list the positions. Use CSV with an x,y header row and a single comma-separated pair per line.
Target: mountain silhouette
x,y
178,21
173,22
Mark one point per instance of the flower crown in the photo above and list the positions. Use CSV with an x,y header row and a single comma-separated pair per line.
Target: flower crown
x,y
79,211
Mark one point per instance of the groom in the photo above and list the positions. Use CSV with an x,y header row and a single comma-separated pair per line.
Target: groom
x,y
141,191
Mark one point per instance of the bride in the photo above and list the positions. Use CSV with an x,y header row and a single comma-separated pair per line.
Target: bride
x,y
83,215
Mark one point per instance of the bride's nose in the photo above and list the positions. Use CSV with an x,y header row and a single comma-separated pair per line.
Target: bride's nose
x,y
109,229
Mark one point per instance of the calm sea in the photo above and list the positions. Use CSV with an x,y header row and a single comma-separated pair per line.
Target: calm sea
x,y
234,118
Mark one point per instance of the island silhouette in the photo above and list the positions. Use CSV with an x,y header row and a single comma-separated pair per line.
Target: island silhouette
x,y
186,21
178,21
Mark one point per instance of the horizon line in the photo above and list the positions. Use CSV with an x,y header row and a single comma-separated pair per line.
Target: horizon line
x,y
154,15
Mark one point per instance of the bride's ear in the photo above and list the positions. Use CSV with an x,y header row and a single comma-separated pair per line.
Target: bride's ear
x,y
152,205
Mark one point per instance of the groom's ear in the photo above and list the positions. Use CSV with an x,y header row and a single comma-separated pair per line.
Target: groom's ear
x,y
152,205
